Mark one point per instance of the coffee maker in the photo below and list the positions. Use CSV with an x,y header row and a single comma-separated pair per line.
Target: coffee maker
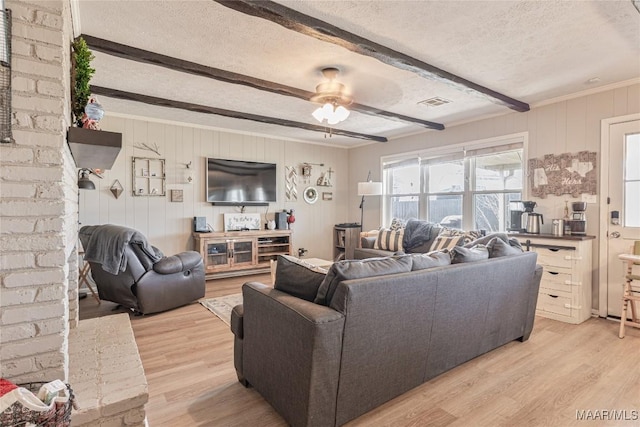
x,y
578,221
534,219
516,209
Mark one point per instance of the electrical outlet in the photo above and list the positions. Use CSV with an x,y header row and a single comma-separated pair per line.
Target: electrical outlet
x,y
589,198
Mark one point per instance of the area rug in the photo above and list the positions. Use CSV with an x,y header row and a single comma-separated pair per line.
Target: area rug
x,y
222,306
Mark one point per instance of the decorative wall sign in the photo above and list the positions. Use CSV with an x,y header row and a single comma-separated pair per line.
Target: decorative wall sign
x,y
567,173
291,182
241,221
325,179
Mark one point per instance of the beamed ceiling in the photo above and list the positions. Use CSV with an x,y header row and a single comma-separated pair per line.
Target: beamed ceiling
x,y
251,66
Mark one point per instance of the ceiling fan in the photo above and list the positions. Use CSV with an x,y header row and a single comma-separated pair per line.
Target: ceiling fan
x,y
333,96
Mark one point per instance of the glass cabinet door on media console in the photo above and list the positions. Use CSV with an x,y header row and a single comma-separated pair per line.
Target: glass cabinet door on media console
x,y
228,253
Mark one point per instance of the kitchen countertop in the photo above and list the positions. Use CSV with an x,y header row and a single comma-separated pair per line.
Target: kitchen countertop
x,y
525,236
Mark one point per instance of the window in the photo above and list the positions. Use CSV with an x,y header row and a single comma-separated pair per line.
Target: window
x,y
467,187
632,181
401,181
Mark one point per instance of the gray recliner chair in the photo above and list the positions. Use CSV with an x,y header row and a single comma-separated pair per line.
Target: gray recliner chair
x,y
129,271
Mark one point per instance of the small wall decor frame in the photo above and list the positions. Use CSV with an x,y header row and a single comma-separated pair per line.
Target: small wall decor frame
x,y
177,196
148,177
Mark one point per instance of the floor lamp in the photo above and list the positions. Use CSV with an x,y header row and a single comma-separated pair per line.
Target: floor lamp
x,y
368,188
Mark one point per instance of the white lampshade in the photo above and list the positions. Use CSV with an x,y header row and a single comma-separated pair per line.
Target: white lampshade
x,y
369,188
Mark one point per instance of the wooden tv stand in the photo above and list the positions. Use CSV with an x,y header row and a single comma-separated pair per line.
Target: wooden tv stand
x,y
236,253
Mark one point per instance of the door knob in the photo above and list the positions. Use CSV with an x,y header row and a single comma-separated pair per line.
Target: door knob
x,y
614,234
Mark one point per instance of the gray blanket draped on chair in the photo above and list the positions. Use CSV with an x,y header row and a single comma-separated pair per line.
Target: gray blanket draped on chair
x,y
105,245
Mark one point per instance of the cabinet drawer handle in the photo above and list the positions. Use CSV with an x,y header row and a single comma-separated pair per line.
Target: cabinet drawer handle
x,y
574,307
553,296
554,249
553,272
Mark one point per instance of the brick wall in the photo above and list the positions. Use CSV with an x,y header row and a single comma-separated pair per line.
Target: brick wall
x,y
38,199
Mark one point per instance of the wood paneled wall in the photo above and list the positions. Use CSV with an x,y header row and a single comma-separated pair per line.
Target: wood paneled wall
x,y
168,224
566,126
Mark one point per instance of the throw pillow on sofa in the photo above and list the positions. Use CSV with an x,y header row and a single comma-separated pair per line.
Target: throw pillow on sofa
x,y
484,240
298,278
389,240
358,269
430,260
461,254
397,224
445,241
499,248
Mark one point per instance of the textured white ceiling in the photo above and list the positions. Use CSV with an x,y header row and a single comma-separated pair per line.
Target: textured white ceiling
x,y
529,50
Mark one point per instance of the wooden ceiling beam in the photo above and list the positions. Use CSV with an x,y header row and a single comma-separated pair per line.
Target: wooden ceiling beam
x,y
321,30
205,109
147,57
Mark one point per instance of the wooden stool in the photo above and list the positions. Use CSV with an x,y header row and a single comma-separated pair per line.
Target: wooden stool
x,y
629,296
83,272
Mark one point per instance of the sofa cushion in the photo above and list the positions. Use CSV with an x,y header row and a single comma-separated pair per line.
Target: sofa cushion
x,y
364,253
461,254
430,260
357,269
298,278
389,240
498,247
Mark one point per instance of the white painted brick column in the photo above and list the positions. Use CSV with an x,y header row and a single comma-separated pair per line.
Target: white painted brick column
x,y
38,199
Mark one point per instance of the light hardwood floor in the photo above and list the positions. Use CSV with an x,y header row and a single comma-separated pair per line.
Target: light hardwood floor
x,y
187,354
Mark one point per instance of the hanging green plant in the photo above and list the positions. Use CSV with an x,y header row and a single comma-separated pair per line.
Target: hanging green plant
x,y
81,74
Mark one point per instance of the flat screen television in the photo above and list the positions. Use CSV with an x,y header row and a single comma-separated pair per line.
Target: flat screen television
x,y
240,183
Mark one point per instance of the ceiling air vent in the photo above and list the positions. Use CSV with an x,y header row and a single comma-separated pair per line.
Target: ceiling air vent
x,y
436,101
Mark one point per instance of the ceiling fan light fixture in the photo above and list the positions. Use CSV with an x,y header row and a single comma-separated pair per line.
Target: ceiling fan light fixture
x,y
333,96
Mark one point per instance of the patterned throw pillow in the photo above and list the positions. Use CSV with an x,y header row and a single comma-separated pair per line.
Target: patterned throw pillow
x,y
445,241
468,236
389,240
397,224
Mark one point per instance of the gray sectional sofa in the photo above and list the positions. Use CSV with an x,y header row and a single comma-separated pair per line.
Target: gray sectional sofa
x,y
374,338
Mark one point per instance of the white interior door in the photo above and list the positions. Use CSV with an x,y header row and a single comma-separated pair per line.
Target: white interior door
x,y
624,199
